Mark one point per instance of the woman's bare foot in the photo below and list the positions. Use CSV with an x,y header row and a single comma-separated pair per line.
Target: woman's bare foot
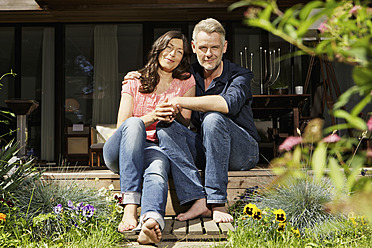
x,y
129,220
220,215
198,209
150,232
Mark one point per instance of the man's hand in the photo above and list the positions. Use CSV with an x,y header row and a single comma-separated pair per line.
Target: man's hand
x,y
130,76
166,111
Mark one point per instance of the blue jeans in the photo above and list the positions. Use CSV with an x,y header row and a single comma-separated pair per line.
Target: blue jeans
x,y
142,166
221,146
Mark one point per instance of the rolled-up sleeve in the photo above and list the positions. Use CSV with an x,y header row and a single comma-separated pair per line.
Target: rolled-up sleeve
x,y
238,92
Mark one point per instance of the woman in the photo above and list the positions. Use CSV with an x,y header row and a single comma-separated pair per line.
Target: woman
x,y
133,150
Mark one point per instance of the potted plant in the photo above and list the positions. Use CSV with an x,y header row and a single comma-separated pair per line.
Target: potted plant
x,y
279,88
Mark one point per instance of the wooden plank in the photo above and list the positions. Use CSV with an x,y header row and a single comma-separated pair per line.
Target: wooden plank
x,y
251,173
245,182
225,227
210,226
167,232
195,227
179,229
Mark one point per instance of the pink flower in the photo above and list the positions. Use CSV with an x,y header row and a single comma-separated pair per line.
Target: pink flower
x,y
323,27
355,9
290,142
332,138
369,152
369,124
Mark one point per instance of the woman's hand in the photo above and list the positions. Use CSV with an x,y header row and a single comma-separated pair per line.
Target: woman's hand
x,y
130,76
166,111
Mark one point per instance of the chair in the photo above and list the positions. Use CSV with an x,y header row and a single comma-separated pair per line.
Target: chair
x,y
77,142
99,135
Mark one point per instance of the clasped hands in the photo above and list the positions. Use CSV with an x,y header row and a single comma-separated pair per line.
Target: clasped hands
x,y
165,111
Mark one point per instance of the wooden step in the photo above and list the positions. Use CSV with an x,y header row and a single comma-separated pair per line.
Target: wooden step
x,y
196,229
238,181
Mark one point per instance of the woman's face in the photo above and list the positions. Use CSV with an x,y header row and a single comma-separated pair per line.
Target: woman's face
x,y
171,56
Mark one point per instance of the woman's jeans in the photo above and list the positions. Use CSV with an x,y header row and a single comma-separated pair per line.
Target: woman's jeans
x,y
139,163
222,146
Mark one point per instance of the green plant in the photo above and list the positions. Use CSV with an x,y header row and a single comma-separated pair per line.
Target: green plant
x,y
279,85
3,113
345,36
38,199
13,172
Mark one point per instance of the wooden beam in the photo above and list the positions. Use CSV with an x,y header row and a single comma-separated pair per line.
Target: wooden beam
x,y
12,5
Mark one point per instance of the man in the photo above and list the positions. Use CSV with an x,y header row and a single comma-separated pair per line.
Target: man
x,y
226,137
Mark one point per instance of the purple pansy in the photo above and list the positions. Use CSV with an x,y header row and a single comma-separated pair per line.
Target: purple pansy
x,y
58,209
88,211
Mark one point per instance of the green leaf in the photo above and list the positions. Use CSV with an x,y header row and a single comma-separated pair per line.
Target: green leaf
x,y
337,177
354,121
305,11
239,4
363,76
345,97
290,30
266,13
361,105
318,162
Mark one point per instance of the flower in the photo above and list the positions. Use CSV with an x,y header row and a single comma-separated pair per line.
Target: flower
x,y
88,211
111,187
364,220
323,28
58,209
2,217
119,209
369,124
369,152
281,226
257,214
249,208
70,204
295,232
354,9
290,142
79,206
332,138
363,172
118,197
280,215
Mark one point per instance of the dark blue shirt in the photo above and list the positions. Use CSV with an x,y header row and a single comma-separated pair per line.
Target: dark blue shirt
x,y
234,85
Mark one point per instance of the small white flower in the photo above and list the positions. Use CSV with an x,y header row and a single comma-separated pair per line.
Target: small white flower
x,y
96,179
119,208
111,187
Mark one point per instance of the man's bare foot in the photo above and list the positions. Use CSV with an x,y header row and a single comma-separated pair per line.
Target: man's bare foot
x,y
150,232
220,215
129,220
198,209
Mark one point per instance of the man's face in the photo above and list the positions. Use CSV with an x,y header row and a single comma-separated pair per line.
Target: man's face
x,y
209,49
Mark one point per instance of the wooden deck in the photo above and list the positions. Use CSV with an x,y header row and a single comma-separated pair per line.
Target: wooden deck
x,y
238,182
193,230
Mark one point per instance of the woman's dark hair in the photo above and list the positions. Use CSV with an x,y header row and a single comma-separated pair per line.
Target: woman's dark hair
x,y
150,77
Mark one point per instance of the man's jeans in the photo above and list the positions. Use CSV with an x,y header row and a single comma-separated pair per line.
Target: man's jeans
x,y
128,153
222,146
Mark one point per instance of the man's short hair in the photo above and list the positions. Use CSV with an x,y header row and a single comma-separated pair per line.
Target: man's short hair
x,y
209,26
